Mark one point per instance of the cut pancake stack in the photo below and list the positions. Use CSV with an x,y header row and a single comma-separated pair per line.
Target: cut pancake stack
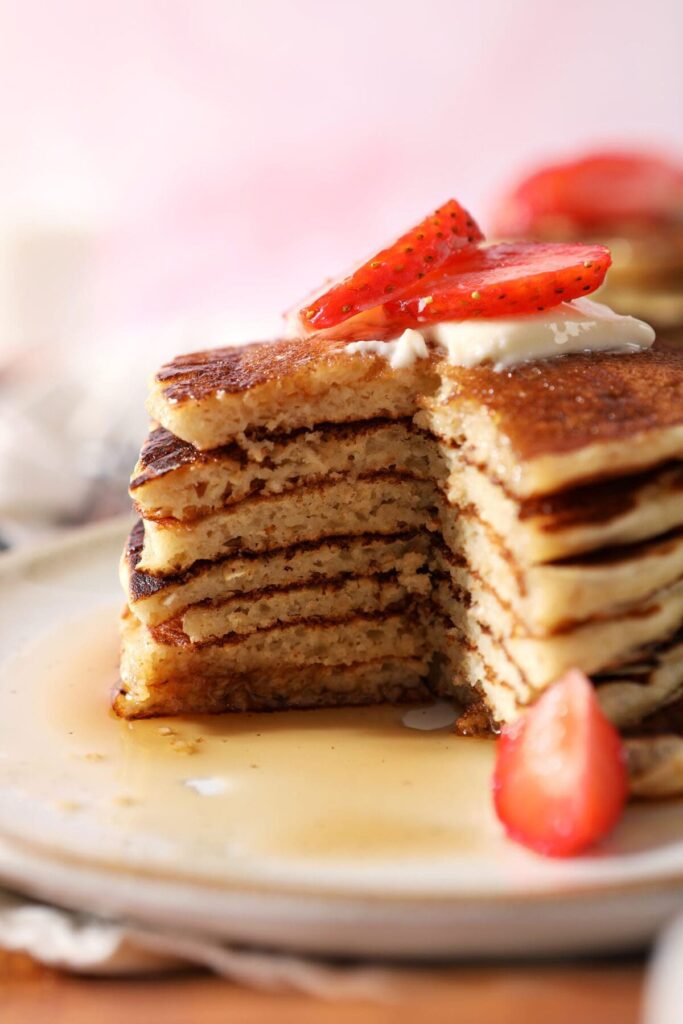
x,y
284,564
319,528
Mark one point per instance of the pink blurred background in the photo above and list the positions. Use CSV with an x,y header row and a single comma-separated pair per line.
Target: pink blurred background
x,y
176,173
226,156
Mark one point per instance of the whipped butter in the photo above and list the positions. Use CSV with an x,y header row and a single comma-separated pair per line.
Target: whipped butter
x,y
401,353
578,326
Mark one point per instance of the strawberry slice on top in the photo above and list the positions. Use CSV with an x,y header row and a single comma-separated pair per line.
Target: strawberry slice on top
x,y
502,280
560,780
393,270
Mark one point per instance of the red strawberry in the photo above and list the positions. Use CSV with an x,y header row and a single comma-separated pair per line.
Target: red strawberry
x,y
560,780
502,280
391,271
595,192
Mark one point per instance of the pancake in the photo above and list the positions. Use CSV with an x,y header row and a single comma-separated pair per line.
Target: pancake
x,y
655,766
558,526
155,599
272,606
209,682
356,660
545,600
549,598
391,503
173,479
209,398
661,304
540,428
629,695
529,664
654,751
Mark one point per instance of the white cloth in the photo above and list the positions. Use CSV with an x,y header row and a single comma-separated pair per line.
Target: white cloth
x,y
90,945
71,424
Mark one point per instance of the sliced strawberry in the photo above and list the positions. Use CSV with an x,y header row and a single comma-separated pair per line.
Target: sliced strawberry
x,y
502,280
596,192
394,269
560,780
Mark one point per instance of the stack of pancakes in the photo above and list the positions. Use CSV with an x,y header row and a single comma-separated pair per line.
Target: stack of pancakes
x,y
629,201
283,558
646,277
319,528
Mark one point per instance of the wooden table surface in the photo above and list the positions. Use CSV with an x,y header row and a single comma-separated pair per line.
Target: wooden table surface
x,y
608,992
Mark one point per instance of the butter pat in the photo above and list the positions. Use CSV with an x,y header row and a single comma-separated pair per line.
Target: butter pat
x,y
578,326
401,353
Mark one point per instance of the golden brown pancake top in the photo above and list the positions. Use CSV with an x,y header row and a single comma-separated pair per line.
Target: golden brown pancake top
x,y
199,374
545,407
561,405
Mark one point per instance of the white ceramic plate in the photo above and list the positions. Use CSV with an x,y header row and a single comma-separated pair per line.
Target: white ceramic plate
x,y
341,832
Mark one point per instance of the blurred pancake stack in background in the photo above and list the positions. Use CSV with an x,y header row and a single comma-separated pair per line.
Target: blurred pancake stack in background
x,y
630,201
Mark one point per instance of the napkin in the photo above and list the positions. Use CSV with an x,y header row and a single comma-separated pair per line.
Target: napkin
x,y
72,422
91,945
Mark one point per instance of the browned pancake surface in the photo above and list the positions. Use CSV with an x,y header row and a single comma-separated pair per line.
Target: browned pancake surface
x,y
598,502
143,584
561,405
664,721
231,370
163,452
544,408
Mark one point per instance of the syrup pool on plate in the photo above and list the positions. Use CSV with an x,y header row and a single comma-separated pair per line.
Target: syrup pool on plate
x,y
354,784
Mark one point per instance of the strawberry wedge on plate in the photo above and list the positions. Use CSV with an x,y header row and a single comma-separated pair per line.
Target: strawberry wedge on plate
x,y
560,782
